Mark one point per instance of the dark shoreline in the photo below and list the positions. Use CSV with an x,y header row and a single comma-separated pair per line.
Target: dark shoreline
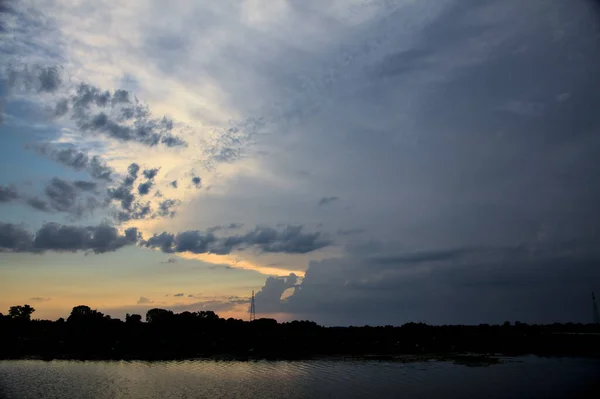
x,y
90,335
464,359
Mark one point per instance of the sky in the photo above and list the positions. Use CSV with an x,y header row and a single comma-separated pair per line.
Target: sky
x,y
352,162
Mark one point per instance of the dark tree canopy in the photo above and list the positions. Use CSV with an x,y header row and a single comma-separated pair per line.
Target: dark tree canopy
x,y
83,313
157,315
90,334
133,318
21,312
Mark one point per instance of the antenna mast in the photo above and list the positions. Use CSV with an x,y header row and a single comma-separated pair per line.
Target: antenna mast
x,y
596,316
252,308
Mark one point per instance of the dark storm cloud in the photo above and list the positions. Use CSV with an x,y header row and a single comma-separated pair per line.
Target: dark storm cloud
x,y
290,239
541,285
14,238
8,194
63,238
268,298
350,232
77,160
327,200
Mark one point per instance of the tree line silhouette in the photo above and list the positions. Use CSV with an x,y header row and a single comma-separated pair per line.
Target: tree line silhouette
x,y
90,334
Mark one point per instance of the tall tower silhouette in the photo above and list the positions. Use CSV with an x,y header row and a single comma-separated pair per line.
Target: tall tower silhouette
x,y
252,308
596,316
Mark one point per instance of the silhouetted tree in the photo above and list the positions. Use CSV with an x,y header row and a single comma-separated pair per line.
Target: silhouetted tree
x,y
157,315
133,318
21,312
83,313
91,334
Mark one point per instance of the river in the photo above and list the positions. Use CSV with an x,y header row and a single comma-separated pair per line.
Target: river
x,y
521,377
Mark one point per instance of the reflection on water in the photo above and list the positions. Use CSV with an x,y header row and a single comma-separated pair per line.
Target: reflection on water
x,y
527,377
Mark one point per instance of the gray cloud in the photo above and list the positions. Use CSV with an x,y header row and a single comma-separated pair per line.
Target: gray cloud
x,y
97,111
327,200
468,124
77,160
8,194
350,232
144,300
179,294
150,173
197,182
99,170
50,79
268,298
60,196
118,115
61,108
40,299
64,238
36,78
144,188
173,184
165,208
38,204
120,97
14,237
134,209
123,193
64,196
548,284
291,240
85,185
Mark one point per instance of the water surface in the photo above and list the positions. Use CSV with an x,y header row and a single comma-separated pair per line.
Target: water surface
x,y
524,377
